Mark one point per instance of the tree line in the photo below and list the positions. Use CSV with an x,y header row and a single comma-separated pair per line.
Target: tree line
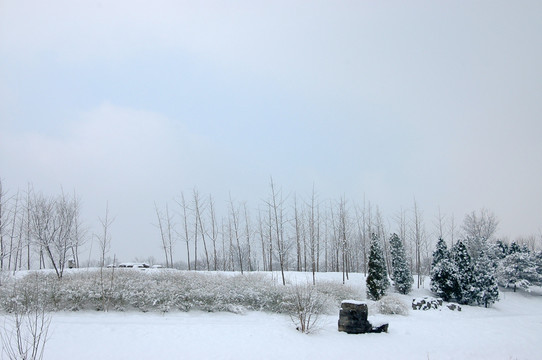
x,y
283,232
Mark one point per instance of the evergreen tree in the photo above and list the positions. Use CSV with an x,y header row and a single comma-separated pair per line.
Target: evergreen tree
x,y
485,290
377,278
444,281
514,248
402,278
463,262
538,264
518,269
501,249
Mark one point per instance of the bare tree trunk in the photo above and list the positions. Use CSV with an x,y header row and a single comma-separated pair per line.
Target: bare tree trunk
x,y
186,237
277,208
417,241
170,241
214,231
224,257
12,234
270,228
202,230
162,234
262,239
247,231
28,237
297,236
104,242
313,237
3,224
235,220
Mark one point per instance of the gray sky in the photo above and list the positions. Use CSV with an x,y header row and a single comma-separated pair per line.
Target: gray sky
x,y
132,102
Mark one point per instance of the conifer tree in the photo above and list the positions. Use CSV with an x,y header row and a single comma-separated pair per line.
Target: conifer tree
x,y
444,280
377,278
484,285
518,269
402,278
463,262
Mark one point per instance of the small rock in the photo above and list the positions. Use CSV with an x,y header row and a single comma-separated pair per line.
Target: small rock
x,y
453,307
426,303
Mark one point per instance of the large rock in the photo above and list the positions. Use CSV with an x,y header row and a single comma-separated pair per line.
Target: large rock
x,y
426,303
353,318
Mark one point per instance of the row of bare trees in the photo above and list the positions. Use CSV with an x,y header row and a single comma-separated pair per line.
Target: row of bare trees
x,y
287,232
34,225
283,232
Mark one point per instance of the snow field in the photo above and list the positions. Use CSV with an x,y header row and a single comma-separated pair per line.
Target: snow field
x,y
511,329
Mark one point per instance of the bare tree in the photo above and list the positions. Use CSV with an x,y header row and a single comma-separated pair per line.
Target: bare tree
x,y
234,213
3,224
162,234
104,239
381,231
184,208
276,207
418,235
314,234
440,224
13,253
297,223
104,242
214,231
263,241
199,208
79,236
481,225
452,229
248,232
52,222
25,335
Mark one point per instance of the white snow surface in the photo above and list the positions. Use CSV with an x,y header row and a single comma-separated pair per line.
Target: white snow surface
x,y
511,329
354,302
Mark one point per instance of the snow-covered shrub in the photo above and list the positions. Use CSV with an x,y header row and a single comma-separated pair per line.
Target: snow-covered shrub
x,y
337,292
308,304
25,329
391,305
167,290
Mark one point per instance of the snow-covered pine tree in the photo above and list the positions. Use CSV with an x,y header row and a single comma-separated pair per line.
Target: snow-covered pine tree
x,y
402,278
501,249
444,281
463,263
484,285
514,248
518,269
377,278
538,263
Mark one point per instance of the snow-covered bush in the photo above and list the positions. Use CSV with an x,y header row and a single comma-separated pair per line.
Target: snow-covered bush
x,y
25,329
308,304
337,291
161,290
391,305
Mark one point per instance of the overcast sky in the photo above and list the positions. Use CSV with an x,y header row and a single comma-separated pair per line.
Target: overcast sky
x,y
132,102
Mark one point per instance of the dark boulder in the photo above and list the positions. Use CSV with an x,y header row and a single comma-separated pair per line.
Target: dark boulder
x,y
353,319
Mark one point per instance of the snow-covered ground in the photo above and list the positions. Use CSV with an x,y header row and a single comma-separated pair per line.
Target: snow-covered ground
x,y
511,329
